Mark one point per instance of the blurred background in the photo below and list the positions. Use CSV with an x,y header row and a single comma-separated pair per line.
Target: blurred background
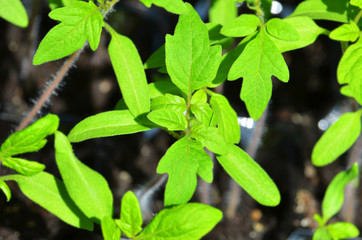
x,y
297,115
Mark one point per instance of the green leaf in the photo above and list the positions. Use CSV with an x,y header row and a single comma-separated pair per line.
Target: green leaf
x,y
23,166
307,30
169,119
356,87
334,196
173,6
199,96
157,59
222,11
162,87
346,91
282,30
6,190
350,66
131,216
80,21
50,193
215,37
321,233
30,139
53,4
188,221
226,119
169,101
357,3
250,176
333,10
182,161
14,12
88,189
319,219
337,139
342,230
106,124
110,230
241,26
130,74
190,61
346,32
203,112
209,137
258,62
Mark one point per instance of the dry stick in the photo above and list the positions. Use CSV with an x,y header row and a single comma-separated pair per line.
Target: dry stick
x,y
48,92
251,150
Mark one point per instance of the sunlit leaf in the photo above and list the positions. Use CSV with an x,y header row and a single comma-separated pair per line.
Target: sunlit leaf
x,y
131,216
14,12
173,6
346,32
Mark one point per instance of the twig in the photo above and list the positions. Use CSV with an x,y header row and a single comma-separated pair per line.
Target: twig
x,y
48,92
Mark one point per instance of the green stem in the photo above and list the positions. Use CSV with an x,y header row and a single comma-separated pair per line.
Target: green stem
x,y
359,15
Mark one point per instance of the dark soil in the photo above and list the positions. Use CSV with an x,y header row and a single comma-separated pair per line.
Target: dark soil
x,y
129,162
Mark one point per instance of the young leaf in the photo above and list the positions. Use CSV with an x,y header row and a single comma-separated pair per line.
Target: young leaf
x,y
162,87
259,61
333,10
106,124
241,26
14,12
173,6
307,30
337,139
203,113
222,11
6,190
30,139
321,233
130,74
357,3
226,119
23,166
169,101
88,189
334,196
346,32
190,61
282,30
182,161
342,230
188,221
199,96
209,137
80,21
169,119
110,230
250,176
131,216
349,67
50,193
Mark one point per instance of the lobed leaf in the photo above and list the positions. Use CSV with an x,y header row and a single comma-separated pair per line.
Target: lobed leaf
x,y
173,6
222,11
257,63
350,66
87,188
337,139
50,193
342,230
130,74
188,221
6,190
106,124
30,139
110,230
79,22
346,32
169,101
334,196
13,11
241,26
225,117
282,30
182,161
131,216
23,166
169,119
190,61
250,176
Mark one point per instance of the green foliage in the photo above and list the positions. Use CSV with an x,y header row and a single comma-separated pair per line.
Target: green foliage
x,y
250,176
169,119
175,223
337,139
242,26
169,101
346,32
357,3
342,230
174,6
14,12
23,166
50,193
222,11
130,74
86,187
80,22
6,190
110,230
282,30
53,4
